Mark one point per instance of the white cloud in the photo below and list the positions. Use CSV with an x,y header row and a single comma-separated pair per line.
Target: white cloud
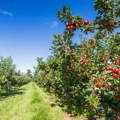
x,y
54,24
6,13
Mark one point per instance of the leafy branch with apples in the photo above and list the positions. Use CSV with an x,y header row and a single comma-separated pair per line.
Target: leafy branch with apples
x,y
85,77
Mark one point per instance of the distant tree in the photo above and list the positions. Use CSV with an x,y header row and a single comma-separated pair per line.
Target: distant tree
x,y
7,71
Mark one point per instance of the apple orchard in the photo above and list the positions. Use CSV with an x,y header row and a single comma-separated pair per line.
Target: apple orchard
x,y
85,77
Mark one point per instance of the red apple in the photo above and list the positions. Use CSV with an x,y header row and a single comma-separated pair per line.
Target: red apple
x,y
72,67
115,75
99,22
81,58
81,63
91,106
90,71
104,35
94,95
70,51
87,61
118,89
99,84
106,86
67,76
116,62
116,70
71,26
84,43
86,22
70,115
109,68
80,22
68,28
118,97
111,24
72,22
92,41
101,77
77,25
67,24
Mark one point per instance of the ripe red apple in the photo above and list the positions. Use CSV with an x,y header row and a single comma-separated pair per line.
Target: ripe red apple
x,y
118,89
101,77
72,22
104,35
92,46
72,67
70,115
91,106
118,97
67,68
116,70
99,84
90,71
99,22
87,61
115,75
107,58
80,22
86,22
94,95
111,24
92,41
81,58
71,26
70,51
68,28
81,63
84,43
67,76
119,113
116,62
77,25
107,86
109,68
67,24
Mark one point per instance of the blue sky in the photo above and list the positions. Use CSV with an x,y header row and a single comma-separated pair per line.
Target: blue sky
x,y
27,27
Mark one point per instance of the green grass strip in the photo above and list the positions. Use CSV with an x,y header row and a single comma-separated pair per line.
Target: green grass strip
x,y
32,104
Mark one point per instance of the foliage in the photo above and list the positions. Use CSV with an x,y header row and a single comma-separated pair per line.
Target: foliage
x,y
7,71
10,78
86,76
31,103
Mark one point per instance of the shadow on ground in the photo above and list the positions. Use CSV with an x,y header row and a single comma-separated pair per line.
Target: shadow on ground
x,y
18,91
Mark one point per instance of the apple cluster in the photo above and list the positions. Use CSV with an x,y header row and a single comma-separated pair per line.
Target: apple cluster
x,y
116,71
74,24
110,24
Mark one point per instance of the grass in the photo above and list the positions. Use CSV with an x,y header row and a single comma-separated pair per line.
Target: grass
x,y
31,104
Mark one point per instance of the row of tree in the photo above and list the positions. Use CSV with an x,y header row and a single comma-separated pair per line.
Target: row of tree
x,y
85,77
10,78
